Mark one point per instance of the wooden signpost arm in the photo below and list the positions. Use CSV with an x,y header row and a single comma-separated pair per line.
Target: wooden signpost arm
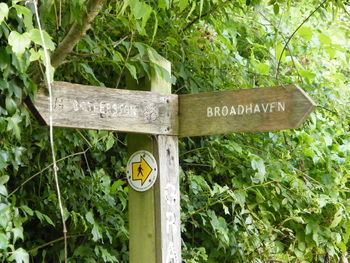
x,y
154,215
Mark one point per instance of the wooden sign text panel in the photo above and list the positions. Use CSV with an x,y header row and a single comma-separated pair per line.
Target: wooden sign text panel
x,y
88,107
249,110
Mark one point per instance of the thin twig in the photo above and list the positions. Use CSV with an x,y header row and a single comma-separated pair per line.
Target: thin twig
x,y
292,35
325,108
210,12
258,185
54,241
126,60
87,164
44,169
346,11
60,14
117,43
84,55
56,16
285,40
196,164
274,260
85,139
53,153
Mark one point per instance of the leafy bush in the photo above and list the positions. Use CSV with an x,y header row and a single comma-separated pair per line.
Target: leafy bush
x,y
261,197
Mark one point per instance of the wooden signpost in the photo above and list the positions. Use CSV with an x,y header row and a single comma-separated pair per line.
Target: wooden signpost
x,y
154,213
248,110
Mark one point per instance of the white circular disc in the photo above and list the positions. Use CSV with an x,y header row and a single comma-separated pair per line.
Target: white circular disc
x,y
141,171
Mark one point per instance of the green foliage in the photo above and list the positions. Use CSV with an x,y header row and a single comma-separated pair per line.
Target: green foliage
x,y
263,197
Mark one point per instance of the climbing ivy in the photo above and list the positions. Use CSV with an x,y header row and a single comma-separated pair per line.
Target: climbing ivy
x,y
262,197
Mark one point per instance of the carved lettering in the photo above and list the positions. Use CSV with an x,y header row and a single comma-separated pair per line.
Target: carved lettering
x,y
256,108
272,106
281,106
249,109
224,111
209,112
217,111
246,109
171,256
106,109
170,222
265,107
233,111
240,109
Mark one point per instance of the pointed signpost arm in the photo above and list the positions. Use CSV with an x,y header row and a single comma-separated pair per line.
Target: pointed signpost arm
x,y
154,215
246,110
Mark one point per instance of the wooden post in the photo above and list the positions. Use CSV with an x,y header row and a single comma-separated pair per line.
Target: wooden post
x,y
154,215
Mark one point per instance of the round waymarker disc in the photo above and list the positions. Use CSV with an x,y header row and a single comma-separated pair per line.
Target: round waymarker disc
x,y
141,171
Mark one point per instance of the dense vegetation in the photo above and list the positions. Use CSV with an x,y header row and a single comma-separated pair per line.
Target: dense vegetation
x,y
261,197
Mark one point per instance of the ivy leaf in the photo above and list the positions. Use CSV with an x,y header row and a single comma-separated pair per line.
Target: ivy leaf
x,y
278,51
27,210
34,35
19,42
132,70
25,14
4,179
324,39
90,217
5,58
17,233
89,74
4,10
12,125
20,255
4,159
163,4
10,105
3,190
3,241
258,165
139,9
306,33
263,68
183,4
42,217
307,74
96,233
336,221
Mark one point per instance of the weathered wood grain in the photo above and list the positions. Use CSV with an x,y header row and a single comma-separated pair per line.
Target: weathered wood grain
x,y
249,110
141,207
88,107
168,200
154,215
167,188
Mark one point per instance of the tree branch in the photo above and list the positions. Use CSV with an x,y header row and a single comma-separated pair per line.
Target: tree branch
x,y
292,35
76,33
210,12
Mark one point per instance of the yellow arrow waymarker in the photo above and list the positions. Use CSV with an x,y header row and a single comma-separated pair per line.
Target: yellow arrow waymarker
x,y
141,171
